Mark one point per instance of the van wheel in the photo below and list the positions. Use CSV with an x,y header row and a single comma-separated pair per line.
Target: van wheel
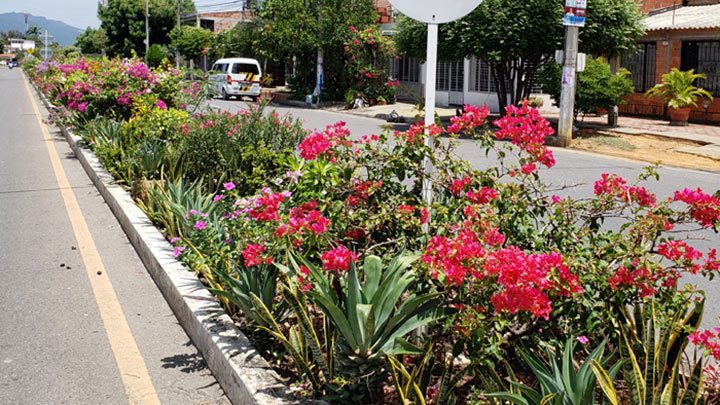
x,y
225,95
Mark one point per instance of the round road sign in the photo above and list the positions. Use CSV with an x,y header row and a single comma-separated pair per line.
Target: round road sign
x,y
433,11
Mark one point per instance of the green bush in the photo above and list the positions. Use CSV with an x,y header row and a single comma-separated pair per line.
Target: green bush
x,y
156,54
597,88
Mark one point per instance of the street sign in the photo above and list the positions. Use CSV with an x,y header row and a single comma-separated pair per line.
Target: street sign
x,y
432,11
574,13
46,53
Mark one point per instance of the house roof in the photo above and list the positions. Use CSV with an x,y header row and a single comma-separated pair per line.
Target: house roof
x,y
215,6
685,18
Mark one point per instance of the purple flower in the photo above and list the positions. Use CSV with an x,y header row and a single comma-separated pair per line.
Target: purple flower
x,y
218,198
175,239
200,225
178,250
229,185
161,105
582,339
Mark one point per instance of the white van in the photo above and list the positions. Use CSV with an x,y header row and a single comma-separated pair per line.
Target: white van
x,y
236,77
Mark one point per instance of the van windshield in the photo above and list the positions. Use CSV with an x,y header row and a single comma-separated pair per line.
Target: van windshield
x,y
245,68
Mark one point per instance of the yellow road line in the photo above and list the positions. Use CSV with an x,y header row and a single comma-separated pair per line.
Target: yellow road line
x,y
134,373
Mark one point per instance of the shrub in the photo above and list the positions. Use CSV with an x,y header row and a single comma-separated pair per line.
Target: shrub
x,y
597,88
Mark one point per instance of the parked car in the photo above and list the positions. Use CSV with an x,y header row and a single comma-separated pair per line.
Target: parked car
x,y
236,77
3,62
14,63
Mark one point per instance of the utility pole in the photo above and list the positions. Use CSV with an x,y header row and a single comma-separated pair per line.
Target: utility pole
x,y
45,56
567,92
177,53
147,30
573,19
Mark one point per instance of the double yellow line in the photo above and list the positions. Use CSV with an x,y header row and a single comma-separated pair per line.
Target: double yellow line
x,y
133,372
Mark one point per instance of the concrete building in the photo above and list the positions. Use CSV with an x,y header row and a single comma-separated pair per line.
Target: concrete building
x,y
19,44
683,35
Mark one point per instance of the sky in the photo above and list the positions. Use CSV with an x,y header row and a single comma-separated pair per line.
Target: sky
x,y
78,13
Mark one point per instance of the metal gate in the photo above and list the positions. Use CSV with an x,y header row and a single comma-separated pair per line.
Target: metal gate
x,y
450,78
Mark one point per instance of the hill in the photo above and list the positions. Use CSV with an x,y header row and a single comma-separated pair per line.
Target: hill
x,y
64,34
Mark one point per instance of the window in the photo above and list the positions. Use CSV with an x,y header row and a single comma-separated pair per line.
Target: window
x,y
245,68
641,64
220,67
704,57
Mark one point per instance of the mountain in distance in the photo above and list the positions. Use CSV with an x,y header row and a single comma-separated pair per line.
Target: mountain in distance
x,y
64,34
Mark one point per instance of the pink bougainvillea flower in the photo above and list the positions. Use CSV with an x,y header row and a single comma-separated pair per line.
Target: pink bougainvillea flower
x,y
252,253
338,259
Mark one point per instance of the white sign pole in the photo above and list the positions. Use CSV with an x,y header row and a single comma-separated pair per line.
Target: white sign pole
x,y
430,79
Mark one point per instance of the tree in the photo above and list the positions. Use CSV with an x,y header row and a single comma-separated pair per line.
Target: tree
x,y
305,28
124,23
517,37
33,30
190,41
92,40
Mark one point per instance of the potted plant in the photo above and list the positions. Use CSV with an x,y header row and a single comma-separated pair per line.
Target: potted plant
x,y
678,93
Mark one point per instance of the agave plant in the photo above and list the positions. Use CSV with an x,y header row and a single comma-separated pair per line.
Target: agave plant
x,y
366,321
651,373
677,89
560,384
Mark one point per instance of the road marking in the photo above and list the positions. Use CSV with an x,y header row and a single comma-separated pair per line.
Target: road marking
x,y
134,373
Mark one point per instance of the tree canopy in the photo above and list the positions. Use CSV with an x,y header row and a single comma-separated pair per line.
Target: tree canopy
x,y
190,41
124,23
91,40
516,37
299,28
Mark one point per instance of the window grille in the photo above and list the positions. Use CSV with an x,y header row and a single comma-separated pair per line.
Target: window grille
x,y
704,57
641,64
405,69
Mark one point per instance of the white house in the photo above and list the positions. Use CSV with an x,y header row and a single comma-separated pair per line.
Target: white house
x,y
466,81
19,44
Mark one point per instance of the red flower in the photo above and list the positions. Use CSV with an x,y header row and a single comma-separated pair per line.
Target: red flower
x,y
252,252
338,259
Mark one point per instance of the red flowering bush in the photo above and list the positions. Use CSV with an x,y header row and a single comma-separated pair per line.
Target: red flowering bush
x,y
369,52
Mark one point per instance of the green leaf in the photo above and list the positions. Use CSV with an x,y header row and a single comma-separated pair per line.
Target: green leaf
x,y
604,381
372,267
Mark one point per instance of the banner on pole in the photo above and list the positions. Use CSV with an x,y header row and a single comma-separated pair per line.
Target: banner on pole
x,y
574,13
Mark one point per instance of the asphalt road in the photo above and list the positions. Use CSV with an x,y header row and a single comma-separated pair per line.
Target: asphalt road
x,y
573,168
54,344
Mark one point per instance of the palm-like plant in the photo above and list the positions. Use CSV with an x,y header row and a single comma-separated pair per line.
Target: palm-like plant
x,y
677,89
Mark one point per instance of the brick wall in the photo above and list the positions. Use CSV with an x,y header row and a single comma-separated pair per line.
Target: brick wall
x,y
650,5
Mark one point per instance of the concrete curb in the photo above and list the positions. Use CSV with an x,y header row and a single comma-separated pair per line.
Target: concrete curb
x,y
243,374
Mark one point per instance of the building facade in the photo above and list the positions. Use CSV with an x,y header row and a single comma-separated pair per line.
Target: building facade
x,y
683,35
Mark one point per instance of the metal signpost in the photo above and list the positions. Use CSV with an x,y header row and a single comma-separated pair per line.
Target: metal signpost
x,y
573,19
45,52
432,13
